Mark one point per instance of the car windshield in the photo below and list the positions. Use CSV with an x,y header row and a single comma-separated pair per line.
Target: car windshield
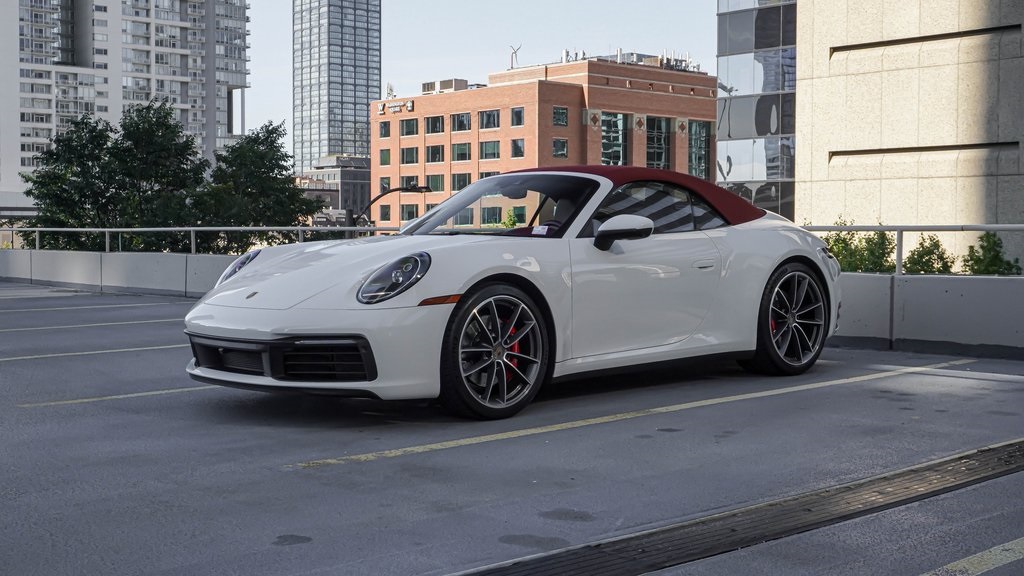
x,y
524,204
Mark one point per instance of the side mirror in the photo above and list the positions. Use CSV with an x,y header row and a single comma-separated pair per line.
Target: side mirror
x,y
622,227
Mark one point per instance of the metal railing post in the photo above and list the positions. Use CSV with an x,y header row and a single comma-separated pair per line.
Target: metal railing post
x,y
38,240
899,252
106,237
301,237
193,239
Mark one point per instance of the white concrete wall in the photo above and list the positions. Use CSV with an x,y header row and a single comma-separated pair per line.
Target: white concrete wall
x,y
973,314
910,112
176,274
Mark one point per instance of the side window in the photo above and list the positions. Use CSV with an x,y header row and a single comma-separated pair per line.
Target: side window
x,y
666,204
704,216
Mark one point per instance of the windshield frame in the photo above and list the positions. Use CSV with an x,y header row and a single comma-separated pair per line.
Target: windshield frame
x,y
558,184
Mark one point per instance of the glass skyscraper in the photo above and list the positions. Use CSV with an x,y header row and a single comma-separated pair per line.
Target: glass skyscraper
x,y
336,76
757,101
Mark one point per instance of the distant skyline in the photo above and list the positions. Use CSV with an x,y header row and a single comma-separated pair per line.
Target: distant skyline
x,y
470,39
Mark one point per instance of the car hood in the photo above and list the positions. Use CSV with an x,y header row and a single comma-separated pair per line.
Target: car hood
x,y
284,276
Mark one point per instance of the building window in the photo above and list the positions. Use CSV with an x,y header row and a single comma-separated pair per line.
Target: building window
x,y
385,183
429,207
659,142
434,124
560,148
490,150
459,181
490,215
518,148
435,153
700,144
409,127
560,116
409,181
519,213
409,211
385,212
614,139
435,182
464,217
461,152
410,155
490,119
385,156
488,174
385,129
462,122
518,117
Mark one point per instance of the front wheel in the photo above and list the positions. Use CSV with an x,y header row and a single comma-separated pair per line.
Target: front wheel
x,y
495,355
792,322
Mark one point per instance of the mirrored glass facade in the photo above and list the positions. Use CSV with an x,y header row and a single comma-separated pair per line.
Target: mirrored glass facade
x,y
757,101
336,76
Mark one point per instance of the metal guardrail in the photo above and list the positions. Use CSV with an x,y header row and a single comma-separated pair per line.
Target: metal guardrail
x,y
900,230
301,230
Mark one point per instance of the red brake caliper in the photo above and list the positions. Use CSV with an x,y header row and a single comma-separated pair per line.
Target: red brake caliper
x,y
514,349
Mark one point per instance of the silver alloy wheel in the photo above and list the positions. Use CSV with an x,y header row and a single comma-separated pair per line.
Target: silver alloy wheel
x,y
500,351
796,320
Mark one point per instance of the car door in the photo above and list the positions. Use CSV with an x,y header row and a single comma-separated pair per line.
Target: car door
x,y
647,292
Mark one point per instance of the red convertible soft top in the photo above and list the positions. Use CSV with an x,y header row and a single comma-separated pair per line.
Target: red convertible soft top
x,y
733,208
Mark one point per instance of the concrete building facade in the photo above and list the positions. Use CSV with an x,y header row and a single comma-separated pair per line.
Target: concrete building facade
x,y
593,111
911,112
78,57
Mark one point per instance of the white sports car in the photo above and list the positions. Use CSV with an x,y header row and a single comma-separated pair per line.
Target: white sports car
x,y
517,279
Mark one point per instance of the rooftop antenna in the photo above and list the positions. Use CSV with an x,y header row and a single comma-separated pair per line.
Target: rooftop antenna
x,y
390,92
513,60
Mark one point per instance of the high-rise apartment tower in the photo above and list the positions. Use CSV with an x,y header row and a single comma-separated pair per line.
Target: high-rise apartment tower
x,y
98,57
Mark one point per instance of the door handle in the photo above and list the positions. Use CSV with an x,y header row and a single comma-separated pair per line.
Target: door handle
x,y
704,264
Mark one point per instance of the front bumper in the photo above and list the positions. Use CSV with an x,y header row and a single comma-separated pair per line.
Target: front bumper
x,y
391,354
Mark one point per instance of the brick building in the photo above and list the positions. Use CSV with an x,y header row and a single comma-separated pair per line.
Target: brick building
x,y
650,112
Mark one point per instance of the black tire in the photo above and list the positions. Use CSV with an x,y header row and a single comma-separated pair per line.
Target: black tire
x,y
493,370
792,322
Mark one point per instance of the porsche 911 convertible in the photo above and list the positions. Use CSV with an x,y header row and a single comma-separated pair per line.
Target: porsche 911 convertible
x,y
517,279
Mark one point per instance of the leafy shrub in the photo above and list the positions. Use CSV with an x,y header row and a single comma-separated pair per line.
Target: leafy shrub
x,y
929,257
988,259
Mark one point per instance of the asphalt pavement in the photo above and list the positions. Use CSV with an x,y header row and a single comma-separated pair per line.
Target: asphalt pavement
x,y
114,462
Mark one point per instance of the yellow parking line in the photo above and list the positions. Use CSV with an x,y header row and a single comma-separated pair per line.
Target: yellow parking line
x,y
92,352
615,417
982,562
91,325
116,397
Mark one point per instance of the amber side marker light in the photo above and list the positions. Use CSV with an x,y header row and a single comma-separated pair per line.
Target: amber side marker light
x,y
450,299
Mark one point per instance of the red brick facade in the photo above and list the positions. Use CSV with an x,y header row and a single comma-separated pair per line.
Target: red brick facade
x,y
585,88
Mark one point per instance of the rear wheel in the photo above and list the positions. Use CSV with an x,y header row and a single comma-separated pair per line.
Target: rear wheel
x,y
792,322
495,353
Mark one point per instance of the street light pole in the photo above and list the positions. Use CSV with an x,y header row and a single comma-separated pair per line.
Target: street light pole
x,y
385,192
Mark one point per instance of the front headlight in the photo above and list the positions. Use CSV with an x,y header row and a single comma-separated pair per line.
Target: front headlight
x,y
237,265
395,278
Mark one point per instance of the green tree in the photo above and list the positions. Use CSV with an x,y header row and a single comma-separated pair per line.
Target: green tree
x,y
72,186
988,259
859,253
158,169
877,252
98,176
845,246
252,185
510,219
929,257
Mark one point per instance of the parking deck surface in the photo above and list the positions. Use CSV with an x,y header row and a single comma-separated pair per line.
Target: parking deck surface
x,y
115,462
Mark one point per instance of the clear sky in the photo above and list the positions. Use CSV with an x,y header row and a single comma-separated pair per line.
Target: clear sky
x,y
439,39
